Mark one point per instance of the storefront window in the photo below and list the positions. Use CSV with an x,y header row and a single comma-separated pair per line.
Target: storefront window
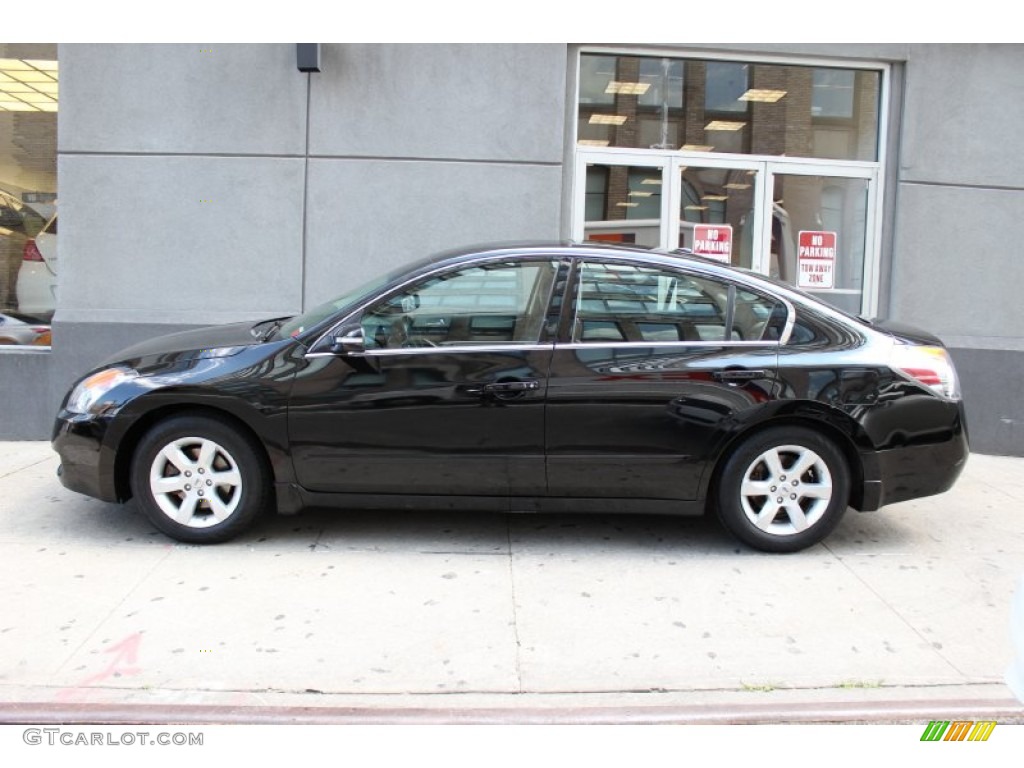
x,y
28,193
728,107
623,204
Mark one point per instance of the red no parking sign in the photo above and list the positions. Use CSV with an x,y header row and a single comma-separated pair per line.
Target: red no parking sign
x,y
816,252
713,241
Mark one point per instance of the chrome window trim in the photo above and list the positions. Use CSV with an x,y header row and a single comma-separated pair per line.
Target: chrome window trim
x,y
672,344
457,349
787,329
491,348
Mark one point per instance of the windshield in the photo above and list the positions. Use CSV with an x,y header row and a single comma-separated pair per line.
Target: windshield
x,y
302,323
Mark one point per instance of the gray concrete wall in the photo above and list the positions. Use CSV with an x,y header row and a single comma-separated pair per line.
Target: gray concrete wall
x,y
182,239
461,102
367,216
992,383
182,99
25,380
957,257
419,148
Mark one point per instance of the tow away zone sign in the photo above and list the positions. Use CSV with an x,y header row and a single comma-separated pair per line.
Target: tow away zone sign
x,y
713,241
816,253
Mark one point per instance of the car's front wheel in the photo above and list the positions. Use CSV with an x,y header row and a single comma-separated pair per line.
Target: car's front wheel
x,y
199,479
783,489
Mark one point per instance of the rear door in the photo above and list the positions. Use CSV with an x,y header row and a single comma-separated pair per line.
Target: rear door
x,y
654,367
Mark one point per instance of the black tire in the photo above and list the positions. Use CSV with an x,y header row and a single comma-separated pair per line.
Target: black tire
x,y
213,489
794,512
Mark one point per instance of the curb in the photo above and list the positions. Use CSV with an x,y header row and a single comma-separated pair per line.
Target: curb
x,y
1001,710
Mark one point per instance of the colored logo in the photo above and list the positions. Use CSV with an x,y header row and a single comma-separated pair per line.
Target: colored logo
x,y
958,730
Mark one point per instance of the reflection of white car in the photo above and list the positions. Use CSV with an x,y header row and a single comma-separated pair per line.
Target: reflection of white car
x,y
37,278
15,330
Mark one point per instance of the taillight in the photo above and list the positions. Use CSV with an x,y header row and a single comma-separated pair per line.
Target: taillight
x,y
930,366
31,253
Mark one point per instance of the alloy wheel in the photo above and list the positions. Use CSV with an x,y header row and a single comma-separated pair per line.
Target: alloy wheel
x,y
786,490
195,482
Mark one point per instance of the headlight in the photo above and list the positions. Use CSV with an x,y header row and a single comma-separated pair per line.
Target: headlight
x,y
85,394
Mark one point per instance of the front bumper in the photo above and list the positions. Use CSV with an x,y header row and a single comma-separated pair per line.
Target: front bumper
x,y
87,465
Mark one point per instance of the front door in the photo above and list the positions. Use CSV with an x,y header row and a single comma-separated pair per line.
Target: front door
x,y
448,396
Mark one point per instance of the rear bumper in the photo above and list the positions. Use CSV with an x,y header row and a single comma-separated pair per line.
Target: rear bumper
x,y
914,471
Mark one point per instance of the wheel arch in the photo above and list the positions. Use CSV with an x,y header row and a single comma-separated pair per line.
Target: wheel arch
x,y
820,421
143,424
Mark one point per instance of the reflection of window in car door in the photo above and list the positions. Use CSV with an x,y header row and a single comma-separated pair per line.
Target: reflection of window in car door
x,y
538,287
757,318
627,303
493,303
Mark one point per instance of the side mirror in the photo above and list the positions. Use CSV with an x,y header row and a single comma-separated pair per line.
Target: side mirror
x,y
349,341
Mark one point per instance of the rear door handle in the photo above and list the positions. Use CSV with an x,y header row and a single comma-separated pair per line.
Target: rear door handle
x,y
739,374
504,387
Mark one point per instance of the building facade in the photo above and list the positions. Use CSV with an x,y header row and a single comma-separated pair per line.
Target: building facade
x,y
199,184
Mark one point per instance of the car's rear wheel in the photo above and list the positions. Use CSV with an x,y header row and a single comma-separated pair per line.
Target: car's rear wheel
x,y
199,479
783,489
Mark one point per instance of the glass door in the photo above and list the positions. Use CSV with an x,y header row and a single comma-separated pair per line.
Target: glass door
x,y
718,212
821,234
811,224
623,202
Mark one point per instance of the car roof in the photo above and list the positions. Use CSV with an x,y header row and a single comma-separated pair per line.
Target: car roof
x,y
569,248
574,248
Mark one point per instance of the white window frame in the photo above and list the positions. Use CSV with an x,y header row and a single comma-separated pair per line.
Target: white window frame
x,y
671,164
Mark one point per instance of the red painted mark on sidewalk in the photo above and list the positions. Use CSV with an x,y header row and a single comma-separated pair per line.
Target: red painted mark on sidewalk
x,y
125,655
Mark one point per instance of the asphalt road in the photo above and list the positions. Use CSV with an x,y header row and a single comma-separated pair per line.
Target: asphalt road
x,y
443,613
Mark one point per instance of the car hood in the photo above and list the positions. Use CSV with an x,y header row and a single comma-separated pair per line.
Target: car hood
x,y
907,333
213,341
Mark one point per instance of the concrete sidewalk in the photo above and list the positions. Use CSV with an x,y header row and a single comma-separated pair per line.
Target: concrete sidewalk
x,y
457,612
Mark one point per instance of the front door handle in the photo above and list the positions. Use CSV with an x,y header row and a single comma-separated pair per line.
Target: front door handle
x,y
738,374
506,388
527,385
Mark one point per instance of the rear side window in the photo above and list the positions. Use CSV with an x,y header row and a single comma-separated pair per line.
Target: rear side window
x,y
757,317
630,303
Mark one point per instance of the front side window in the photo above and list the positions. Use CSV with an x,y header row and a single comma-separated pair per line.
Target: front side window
x,y
489,304
630,303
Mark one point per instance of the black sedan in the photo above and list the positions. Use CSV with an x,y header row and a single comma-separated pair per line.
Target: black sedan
x,y
540,378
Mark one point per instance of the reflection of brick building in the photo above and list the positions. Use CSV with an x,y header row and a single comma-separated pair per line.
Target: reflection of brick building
x,y
785,126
